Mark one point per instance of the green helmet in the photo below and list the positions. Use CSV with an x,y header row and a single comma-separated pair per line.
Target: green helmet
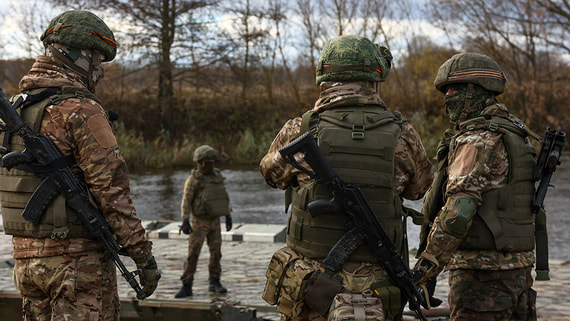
x,y
353,58
83,30
205,151
471,68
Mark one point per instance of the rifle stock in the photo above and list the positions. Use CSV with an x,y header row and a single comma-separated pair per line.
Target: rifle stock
x,y
40,152
349,199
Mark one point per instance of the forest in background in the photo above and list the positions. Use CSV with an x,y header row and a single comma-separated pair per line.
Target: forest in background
x,y
233,82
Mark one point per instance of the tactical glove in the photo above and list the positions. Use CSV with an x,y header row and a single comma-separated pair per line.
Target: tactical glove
x,y
228,223
429,300
149,274
186,228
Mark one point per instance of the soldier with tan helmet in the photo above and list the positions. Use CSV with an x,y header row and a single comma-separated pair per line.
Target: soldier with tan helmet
x,y
61,270
480,202
366,145
205,199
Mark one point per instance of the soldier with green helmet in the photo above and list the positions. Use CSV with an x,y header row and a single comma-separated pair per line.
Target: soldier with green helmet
x,y
366,145
205,198
479,205
61,270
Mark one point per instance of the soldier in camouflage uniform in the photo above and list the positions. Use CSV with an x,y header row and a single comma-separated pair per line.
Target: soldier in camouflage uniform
x,y
206,199
376,149
481,198
61,271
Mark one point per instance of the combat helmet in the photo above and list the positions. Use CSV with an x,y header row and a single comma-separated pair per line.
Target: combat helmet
x,y
205,151
353,58
81,29
473,68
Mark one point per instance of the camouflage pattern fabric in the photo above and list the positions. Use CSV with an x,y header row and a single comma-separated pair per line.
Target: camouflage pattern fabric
x,y
83,58
78,127
478,163
492,295
356,278
357,307
413,173
78,286
204,228
412,176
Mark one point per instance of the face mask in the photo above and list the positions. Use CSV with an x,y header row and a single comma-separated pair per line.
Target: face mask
x,y
455,102
206,166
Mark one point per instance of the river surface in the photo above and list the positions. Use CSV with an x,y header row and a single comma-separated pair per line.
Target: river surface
x,y
157,196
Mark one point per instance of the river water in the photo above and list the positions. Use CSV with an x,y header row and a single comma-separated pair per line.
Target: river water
x,y
157,196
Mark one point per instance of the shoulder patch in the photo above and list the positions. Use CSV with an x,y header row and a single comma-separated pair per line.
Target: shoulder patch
x,y
102,131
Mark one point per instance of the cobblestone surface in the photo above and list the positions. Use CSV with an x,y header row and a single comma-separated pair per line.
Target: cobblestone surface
x,y
244,265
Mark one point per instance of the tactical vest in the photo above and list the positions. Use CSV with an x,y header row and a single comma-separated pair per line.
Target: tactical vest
x,y
359,143
504,221
212,198
17,186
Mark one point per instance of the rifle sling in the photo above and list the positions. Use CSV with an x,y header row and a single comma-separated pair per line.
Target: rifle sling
x,y
343,248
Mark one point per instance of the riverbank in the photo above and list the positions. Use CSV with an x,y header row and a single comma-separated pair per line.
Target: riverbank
x,y
244,263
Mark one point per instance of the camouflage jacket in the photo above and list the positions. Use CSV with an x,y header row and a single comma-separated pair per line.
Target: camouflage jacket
x,y
80,127
413,173
478,163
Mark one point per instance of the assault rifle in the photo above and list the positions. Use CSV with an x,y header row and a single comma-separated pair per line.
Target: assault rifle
x,y
365,225
42,157
548,160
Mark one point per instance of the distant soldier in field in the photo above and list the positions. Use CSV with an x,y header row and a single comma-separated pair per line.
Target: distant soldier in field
x,y
366,145
481,198
61,270
206,199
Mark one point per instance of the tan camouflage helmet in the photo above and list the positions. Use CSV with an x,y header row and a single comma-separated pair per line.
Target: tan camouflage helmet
x,y
471,68
83,30
353,58
205,151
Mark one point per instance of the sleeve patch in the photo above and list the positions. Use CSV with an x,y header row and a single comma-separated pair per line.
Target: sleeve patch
x,y
102,131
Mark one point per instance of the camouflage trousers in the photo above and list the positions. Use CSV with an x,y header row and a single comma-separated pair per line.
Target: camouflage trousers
x,y
79,286
204,228
492,295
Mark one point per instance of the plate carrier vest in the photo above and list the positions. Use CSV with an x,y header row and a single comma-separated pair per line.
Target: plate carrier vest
x,y
17,186
504,221
212,199
359,143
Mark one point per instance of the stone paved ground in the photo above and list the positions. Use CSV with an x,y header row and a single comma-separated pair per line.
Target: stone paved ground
x,y
244,265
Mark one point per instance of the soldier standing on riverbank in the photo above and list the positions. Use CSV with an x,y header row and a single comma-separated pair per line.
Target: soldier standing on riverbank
x,y
206,199
62,271
367,146
481,199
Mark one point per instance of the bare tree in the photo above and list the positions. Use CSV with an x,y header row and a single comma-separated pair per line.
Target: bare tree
x,y
558,19
247,36
516,33
313,30
29,20
277,13
152,30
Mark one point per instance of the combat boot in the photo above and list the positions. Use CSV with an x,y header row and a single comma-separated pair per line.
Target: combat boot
x,y
215,286
185,290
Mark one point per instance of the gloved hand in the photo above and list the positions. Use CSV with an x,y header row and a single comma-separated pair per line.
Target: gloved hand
x,y
429,300
228,223
149,274
186,228
425,278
